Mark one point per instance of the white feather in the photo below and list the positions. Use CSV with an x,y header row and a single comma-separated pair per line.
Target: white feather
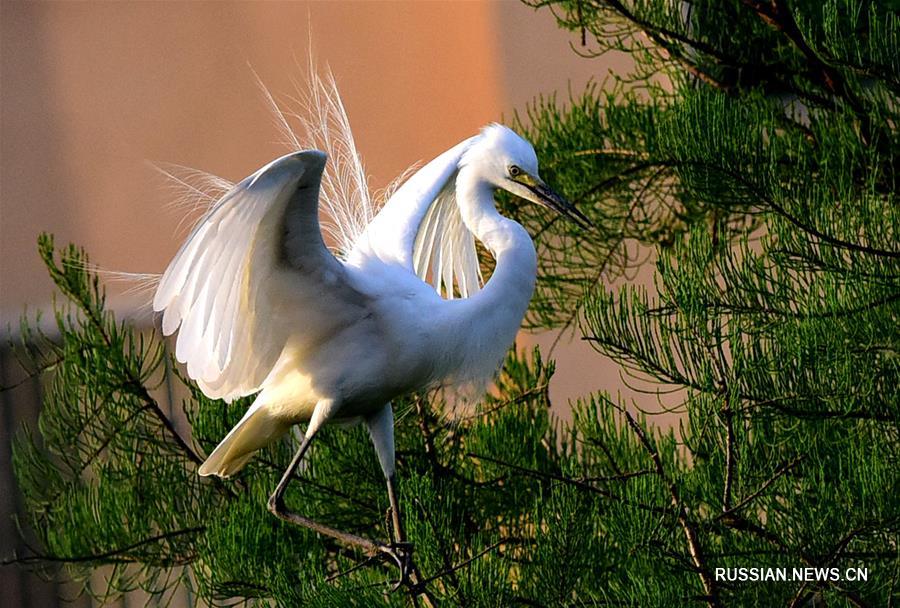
x,y
445,249
344,192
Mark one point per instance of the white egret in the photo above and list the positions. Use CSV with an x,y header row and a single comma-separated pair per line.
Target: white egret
x,y
265,308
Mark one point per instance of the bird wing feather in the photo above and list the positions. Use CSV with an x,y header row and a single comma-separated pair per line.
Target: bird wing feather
x,y
253,266
420,229
445,249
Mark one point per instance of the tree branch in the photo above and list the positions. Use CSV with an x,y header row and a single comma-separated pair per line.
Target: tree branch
x,y
132,382
784,468
575,482
690,533
466,562
106,555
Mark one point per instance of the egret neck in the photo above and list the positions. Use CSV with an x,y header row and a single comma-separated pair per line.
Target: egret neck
x,y
494,314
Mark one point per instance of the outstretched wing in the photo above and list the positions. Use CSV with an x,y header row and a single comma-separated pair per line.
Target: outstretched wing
x,y
253,268
420,229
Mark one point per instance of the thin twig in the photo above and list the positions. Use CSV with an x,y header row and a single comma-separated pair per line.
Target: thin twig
x,y
693,541
34,373
729,457
351,569
541,389
466,562
445,555
784,468
106,555
575,482
619,477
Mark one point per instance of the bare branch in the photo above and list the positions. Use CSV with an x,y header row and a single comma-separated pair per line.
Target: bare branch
x,y
575,482
784,468
121,554
690,533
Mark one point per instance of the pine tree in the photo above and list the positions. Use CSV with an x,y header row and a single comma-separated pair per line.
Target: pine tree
x,y
753,153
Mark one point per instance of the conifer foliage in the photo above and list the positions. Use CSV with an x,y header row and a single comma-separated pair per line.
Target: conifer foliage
x,y
751,159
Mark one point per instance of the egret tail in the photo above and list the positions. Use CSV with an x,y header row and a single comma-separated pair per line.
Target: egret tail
x,y
256,429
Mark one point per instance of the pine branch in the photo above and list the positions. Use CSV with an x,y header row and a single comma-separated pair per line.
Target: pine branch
x,y
131,383
780,471
580,484
120,555
778,15
709,584
468,561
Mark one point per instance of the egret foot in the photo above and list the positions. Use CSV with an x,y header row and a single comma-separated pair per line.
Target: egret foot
x,y
395,553
400,554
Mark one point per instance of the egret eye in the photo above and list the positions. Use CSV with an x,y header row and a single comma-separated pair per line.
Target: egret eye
x,y
514,171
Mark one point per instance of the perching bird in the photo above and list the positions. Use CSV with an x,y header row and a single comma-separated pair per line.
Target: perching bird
x,y
265,308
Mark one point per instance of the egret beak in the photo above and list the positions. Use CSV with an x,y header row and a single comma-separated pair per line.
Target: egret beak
x,y
546,196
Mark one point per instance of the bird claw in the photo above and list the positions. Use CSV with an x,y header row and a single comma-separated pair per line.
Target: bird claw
x,y
400,553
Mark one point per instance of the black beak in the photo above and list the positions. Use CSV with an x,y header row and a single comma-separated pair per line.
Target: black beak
x,y
553,200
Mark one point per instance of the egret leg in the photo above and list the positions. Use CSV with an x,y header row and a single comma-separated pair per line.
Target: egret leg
x,y
277,508
381,429
397,534
324,411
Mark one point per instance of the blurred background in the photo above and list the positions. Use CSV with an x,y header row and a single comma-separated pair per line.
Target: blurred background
x,y
91,91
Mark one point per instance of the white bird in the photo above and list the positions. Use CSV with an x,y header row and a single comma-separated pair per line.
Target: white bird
x,y
265,308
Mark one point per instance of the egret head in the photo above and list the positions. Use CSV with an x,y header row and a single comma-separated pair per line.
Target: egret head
x,y
509,162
